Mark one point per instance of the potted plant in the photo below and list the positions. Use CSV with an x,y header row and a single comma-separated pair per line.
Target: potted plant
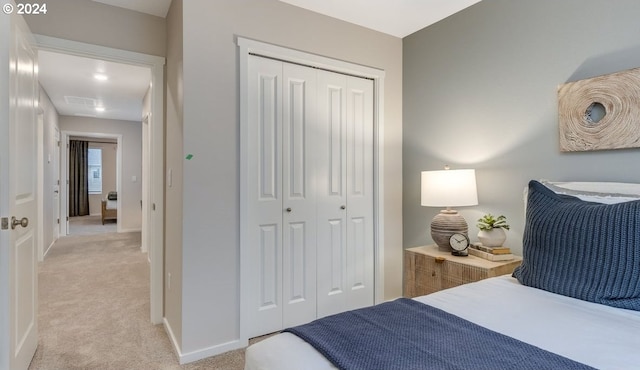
x,y
492,230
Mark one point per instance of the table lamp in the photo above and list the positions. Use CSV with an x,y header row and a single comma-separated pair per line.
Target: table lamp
x,y
448,188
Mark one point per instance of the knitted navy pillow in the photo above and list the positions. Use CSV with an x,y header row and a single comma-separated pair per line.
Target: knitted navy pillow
x,y
585,250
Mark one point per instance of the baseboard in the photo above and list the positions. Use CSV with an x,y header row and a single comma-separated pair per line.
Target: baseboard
x,y
130,230
203,353
48,249
185,358
172,338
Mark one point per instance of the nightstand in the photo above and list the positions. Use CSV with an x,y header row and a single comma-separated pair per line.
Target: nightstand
x,y
428,269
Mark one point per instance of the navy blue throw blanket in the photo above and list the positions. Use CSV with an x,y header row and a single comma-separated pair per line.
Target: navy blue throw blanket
x,y
406,334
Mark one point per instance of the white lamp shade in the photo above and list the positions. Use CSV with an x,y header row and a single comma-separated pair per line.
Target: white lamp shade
x,y
449,188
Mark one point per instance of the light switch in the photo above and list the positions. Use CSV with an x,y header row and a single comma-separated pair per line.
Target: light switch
x,y
134,178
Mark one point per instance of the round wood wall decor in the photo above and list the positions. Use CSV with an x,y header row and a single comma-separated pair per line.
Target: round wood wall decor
x,y
600,113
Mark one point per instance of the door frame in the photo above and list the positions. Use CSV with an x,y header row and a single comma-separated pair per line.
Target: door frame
x,y
155,227
57,224
248,47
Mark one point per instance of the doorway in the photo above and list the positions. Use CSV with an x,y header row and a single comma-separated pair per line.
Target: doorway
x,y
104,172
153,205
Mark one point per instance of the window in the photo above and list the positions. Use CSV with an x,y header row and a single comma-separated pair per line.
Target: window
x,y
95,170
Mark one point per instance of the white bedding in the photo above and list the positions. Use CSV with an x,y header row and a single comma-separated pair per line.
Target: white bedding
x,y
600,336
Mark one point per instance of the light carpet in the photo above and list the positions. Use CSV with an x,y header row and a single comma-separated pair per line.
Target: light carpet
x,y
89,225
94,310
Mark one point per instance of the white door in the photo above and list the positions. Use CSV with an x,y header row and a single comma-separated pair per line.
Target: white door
x,y
299,195
18,183
359,211
265,213
345,193
332,193
310,194
282,197
56,186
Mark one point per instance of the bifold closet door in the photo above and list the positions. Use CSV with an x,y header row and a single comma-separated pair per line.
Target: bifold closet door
x,y
345,193
281,203
299,195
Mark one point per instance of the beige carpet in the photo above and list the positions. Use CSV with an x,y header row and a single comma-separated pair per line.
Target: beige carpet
x,y
89,225
94,310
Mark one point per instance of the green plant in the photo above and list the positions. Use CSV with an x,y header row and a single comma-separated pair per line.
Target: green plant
x,y
488,222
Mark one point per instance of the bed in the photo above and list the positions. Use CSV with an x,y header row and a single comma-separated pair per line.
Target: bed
x,y
110,207
579,303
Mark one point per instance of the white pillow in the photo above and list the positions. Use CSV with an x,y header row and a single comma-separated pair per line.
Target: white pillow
x,y
600,192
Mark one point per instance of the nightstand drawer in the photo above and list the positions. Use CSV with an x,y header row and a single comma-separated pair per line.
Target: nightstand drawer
x,y
428,270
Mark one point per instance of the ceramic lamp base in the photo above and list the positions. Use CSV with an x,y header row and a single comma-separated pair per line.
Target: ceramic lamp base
x,y
445,224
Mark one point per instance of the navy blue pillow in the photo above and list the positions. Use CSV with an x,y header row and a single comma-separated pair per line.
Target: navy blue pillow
x,y
584,250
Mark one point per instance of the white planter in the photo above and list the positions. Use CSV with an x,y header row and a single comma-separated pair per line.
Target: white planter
x,y
492,238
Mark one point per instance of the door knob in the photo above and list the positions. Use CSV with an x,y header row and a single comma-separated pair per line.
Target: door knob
x,y
24,222
343,207
289,209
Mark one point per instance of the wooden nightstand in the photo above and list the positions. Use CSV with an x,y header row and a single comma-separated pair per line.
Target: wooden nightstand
x,y
428,270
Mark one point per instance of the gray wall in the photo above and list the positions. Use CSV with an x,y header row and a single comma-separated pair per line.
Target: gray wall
x,y
100,24
480,92
173,161
209,128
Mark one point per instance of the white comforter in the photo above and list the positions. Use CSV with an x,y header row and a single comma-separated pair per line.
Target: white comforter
x,y
600,336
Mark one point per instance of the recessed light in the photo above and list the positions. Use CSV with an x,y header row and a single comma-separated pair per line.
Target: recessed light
x,y
100,77
99,109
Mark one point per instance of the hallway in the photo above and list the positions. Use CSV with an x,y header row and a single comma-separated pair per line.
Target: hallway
x,y
94,310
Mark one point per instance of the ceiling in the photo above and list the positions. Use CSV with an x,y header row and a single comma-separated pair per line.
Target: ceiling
x,y
73,89
159,8
69,80
394,17
398,18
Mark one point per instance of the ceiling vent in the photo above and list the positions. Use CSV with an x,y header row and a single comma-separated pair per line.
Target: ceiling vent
x,y
78,100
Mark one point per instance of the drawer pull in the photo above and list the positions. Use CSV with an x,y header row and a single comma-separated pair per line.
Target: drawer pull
x,y
440,259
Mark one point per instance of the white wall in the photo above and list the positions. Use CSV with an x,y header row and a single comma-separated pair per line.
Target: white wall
x,y
130,194
146,157
109,168
50,168
210,222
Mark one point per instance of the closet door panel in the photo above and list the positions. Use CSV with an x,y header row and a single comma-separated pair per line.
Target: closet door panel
x,y
331,171
359,192
265,195
299,194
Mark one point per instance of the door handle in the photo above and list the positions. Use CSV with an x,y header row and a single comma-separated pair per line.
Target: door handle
x,y
55,191
343,207
288,209
24,222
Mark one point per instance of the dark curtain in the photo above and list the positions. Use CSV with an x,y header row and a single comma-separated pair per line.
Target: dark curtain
x,y
78,178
